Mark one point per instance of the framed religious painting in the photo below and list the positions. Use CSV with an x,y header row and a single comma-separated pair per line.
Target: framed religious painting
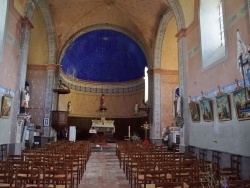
x,y
6,106
239,98
223,107
206,110
194,111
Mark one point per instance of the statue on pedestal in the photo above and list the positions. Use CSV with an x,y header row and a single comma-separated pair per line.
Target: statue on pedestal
x,y
25,98
103,103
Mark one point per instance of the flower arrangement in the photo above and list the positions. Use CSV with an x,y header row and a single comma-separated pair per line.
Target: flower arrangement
x,y
211,179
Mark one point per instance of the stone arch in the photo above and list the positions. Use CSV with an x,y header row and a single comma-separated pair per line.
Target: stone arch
x,y
30,7
29,11
176,11
160,37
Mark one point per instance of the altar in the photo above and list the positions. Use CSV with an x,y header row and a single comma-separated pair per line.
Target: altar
x,y
102,125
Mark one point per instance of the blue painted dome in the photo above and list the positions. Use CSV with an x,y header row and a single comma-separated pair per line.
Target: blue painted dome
x,y
104,56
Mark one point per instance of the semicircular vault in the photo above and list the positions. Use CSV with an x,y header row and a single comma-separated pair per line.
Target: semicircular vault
x,y
104,55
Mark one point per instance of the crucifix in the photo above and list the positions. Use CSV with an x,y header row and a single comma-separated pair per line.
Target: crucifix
x,y
146,127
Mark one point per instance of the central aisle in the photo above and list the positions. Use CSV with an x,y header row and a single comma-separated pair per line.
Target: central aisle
x,y
103,171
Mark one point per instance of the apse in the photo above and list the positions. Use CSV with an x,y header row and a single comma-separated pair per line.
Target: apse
x,y
104,55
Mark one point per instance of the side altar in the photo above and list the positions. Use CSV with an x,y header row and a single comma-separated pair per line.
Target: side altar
x,y
102,125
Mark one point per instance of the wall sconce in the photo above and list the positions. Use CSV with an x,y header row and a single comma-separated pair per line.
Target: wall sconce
x,y
143,107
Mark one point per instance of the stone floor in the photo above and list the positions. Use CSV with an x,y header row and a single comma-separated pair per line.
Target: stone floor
x,y
103,170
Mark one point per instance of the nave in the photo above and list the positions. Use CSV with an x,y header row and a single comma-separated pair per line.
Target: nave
x,y
103,171
114,165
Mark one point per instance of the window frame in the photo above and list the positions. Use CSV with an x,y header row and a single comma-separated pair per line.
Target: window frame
x,y
2,44
219,57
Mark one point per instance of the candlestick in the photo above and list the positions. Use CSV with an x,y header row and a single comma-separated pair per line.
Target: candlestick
x,y
129,131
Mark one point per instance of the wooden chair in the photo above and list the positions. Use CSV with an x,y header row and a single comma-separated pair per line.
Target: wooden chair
x,y
72,168
230,173
57,178
143,169
198,184
202,154
7,185
236,163
183,175
3,165
6,177
239,183
27,176
170,185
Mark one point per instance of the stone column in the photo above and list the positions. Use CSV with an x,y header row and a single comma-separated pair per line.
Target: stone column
x,y
183,85
50,84
155,105
16,131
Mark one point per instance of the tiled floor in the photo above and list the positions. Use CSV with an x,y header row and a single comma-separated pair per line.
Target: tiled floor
x,y
103,171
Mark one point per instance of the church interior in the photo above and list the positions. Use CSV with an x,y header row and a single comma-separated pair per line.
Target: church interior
x,y
169,77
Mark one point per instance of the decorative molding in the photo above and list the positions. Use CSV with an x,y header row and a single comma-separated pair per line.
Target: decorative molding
x,y
43,67
168,14
25,22
95,87
162,72
52,67
36,67
48,19
181,33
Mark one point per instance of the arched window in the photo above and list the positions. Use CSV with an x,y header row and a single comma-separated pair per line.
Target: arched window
x,y
3,14
212,32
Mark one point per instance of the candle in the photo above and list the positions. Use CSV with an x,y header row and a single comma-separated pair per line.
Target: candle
x,y
129,131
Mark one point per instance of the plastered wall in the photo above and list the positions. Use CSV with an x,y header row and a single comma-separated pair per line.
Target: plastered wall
x,y
87,104
9,68
227,136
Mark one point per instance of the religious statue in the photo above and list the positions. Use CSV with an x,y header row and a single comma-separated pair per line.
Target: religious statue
x,y
244,61
69,107
25,97
103,103
243,53
103,100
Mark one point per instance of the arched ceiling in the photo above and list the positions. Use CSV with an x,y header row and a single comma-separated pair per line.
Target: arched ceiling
x,y
114,61
136,16
103,55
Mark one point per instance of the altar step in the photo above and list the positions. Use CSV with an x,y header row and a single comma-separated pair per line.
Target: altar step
x,y
110,147
111,139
